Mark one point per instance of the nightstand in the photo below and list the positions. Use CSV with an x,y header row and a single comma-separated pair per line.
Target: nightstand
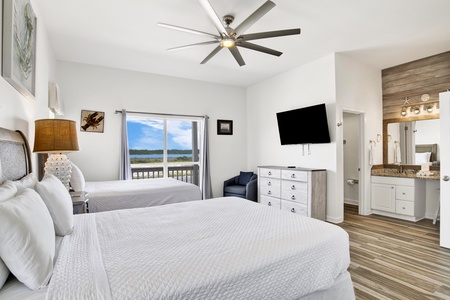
x,y
80,202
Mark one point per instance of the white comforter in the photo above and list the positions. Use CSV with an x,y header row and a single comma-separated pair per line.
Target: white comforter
x,y
223,248
123,194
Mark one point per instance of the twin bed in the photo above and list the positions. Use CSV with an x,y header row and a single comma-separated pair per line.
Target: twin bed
x,y
125,194
222,248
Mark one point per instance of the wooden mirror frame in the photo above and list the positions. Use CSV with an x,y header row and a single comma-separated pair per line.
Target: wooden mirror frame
x,y
398,120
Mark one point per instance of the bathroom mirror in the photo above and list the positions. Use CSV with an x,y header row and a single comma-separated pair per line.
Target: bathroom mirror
x,y
411,142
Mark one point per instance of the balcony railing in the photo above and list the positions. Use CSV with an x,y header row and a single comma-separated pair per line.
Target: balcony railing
x,y
182,173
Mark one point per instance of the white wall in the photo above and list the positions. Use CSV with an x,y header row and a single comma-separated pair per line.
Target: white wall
x,y
18,113
310,84
105,89
344,85
358,89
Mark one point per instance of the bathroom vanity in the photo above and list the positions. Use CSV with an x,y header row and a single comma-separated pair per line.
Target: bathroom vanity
x,y
399,193
397,197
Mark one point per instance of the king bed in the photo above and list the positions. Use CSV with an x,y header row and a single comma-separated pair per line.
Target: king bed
x,y
222,248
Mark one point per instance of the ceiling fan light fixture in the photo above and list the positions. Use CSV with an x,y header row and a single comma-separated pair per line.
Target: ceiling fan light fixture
x,y
227,43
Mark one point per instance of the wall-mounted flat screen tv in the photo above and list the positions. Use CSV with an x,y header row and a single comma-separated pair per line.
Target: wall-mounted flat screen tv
x,y
307,125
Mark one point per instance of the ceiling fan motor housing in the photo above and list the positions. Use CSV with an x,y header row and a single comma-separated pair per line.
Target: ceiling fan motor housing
x,y
228,19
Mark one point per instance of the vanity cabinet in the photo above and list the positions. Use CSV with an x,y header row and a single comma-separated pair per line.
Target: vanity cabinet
x,y
402,198
298,190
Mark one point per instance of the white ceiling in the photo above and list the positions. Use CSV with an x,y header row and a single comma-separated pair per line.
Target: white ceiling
x,y
123,34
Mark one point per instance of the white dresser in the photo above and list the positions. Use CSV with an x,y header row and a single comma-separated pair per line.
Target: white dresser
x,y
402,198
298,190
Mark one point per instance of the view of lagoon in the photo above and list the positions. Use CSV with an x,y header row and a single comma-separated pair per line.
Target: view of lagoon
x,y
156,156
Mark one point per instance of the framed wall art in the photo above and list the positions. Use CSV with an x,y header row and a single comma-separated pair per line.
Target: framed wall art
x,y
19,46
92,121
225,127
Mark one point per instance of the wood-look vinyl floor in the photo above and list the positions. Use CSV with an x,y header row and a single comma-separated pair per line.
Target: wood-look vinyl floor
x,y
395,259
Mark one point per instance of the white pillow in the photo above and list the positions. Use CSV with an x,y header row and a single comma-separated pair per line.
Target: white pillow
x,y
27,182
27,238
59,203
422,158
7,190
77,179
4,273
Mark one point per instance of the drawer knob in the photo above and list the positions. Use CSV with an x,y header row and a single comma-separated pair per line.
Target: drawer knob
x,y
269,173
293,187
293,210
293,197
403,193
270,203
269,183
403,207
292,175
269,192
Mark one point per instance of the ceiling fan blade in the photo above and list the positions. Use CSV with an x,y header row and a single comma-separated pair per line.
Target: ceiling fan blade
x,y
269,34
255,16
259,48
237,56
214,52
214,17
188,30
193,45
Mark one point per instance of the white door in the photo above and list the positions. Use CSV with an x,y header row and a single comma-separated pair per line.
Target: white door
x,y
444,107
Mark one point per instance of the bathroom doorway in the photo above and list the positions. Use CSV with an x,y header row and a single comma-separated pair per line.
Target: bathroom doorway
x,y
352,145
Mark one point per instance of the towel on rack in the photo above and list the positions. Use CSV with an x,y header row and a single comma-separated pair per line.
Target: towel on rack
x,y
397,153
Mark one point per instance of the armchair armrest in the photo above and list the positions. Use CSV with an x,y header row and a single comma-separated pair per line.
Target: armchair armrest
x,y
251,190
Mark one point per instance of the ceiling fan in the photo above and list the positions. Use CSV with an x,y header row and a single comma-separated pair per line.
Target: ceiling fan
x,y
232,38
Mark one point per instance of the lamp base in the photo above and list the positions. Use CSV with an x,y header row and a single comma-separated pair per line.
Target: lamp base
x,y
60,166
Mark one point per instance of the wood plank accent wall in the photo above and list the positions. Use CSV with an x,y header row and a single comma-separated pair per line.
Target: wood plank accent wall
x,y
430,75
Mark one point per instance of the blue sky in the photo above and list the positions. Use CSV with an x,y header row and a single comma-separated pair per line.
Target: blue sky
x,y
144,133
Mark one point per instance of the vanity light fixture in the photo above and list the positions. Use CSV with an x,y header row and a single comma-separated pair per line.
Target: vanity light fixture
x,y
430,108
415,110
403,112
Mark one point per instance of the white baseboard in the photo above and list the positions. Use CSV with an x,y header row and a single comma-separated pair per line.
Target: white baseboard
x,y
351,201
334,220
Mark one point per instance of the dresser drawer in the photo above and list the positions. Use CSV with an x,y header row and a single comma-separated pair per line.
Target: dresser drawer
x,y
297,208
294,191
294,175
270,201
272,173
272,191
404,207
269,182
404,193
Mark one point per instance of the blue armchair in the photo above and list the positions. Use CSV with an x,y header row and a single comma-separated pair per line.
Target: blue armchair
x,y
243,185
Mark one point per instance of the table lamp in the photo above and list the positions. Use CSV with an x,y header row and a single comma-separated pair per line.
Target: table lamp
x,y
56,137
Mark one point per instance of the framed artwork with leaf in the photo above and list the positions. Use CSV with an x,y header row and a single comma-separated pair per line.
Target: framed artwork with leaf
x,y
19,46
92,121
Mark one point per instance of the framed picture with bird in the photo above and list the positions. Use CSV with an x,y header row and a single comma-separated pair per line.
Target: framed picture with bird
x,y
92,121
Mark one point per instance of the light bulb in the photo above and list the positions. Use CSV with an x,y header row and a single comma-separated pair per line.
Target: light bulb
x,y
227,43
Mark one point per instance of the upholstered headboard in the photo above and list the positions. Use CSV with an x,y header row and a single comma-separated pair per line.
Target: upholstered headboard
x,y
428,148
15,160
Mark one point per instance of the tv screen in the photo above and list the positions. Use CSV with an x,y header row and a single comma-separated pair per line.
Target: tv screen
x,y
307,125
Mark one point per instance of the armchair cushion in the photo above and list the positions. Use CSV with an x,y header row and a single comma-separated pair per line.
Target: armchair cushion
x,y
235,190
244,178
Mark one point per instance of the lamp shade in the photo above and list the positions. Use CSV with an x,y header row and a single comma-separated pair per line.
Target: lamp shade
x,y
55,136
